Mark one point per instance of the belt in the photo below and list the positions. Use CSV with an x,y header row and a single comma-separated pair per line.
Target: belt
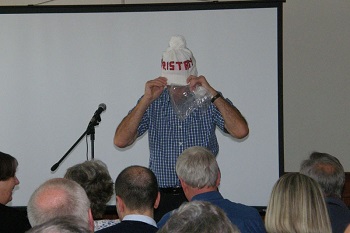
x,y
176,190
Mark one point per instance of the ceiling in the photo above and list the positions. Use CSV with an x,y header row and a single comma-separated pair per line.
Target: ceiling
x,y
90,2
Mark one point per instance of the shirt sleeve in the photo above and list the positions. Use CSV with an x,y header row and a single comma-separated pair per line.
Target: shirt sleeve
x,y
218,119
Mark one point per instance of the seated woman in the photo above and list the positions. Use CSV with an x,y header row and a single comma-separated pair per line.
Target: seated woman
x,y
11,219
94,177
297,205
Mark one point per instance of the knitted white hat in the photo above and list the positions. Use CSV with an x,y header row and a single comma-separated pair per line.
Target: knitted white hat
x,y
178,62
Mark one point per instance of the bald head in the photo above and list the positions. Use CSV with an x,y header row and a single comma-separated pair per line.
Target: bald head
x,y
138,187
58,197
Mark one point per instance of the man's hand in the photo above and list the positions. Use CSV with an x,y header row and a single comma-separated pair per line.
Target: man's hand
x,y
194,81
154,88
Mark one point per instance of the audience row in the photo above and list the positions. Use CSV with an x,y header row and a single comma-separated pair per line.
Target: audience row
x,y
308,201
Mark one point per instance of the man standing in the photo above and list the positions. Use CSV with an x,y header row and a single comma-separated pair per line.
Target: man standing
x,y
158,110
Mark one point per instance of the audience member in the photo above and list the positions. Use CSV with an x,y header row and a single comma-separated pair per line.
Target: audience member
x,y
94,177
137,195
11,219
329,173
347,230
297,205
198,217
200,176
59,197
65,224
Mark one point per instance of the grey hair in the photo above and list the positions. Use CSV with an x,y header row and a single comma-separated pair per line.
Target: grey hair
x,y
198,217
66,224
327,171
198,167
94,177
56,198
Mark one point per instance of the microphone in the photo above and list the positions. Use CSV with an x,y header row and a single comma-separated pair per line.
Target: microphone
x,y
55,166
94,121
96,117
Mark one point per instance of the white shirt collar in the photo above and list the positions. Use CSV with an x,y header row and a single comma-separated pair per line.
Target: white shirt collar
x,y
141,218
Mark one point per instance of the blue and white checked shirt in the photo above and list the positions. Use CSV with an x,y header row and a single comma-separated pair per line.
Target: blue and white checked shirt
x,y
169,136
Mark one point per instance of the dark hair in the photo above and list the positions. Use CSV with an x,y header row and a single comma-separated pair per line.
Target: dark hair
x,y
138,187
8,166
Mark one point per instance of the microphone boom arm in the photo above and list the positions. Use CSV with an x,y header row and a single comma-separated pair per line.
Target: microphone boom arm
x,y
89,131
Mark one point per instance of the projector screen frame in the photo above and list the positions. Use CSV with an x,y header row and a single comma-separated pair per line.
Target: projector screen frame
x,y
33,9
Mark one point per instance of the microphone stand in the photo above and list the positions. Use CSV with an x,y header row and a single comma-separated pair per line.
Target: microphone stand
x,y
89,131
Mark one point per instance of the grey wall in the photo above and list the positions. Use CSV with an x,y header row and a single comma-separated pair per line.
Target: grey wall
x,y
316,80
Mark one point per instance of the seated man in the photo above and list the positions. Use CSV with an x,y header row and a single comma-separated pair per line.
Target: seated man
x,y
137,195
199,175
66,224
329,173
59,197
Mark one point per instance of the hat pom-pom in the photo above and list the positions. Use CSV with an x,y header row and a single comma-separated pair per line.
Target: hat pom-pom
x,y
177,42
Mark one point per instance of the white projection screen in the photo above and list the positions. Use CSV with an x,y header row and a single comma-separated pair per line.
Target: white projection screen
x,y
58,63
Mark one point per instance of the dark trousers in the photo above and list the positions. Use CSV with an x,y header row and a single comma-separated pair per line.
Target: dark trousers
x,y
170,199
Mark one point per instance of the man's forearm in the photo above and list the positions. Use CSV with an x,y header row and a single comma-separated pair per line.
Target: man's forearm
x,y
126,132
235,123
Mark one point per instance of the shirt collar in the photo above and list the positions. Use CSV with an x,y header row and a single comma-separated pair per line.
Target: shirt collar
x,y
141,218
212,195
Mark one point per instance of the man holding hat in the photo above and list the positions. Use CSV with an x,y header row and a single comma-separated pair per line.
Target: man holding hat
x,y
169,135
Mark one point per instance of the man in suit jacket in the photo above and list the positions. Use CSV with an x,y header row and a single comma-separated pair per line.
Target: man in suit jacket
x,y
137,196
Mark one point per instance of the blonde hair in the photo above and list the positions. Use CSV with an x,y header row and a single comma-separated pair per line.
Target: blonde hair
x,y
297,205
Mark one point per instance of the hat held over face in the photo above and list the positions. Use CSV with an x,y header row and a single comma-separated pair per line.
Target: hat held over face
x,y
178,62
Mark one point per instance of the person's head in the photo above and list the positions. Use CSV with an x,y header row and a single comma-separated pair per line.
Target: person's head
x,y
136,190
56,198
8,179
65,224
198,217
94,177
197,168
297,205
347,230
327,171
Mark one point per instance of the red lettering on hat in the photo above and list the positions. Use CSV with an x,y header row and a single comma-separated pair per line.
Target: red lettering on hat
x,y
177,65
171,65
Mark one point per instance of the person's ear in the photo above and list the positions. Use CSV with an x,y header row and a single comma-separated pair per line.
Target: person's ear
x,y
218,180
183,183
91,221
156,203
120,205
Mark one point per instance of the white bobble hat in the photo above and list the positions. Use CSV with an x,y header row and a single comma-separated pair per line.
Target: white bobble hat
x,y
178,62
